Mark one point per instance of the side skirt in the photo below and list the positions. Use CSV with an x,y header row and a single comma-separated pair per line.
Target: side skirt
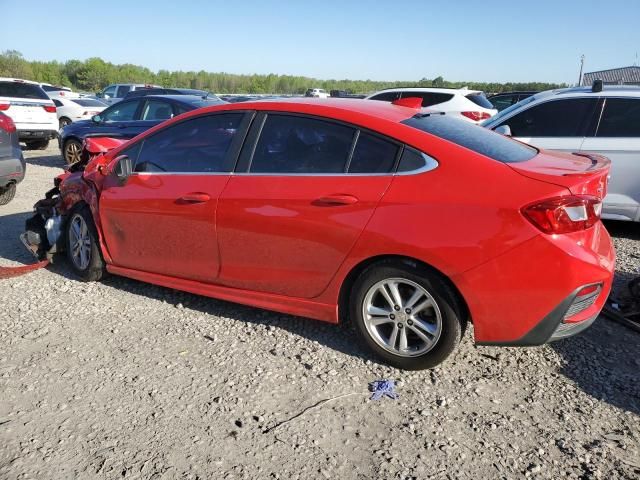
x,y
268,301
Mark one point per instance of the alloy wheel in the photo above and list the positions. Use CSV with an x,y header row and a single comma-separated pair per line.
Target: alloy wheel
x,y
72,152
80,242
402,317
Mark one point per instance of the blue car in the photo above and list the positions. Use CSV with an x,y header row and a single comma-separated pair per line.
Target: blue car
x,y
126,119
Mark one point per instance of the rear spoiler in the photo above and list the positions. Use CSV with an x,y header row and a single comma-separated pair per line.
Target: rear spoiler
x,y
598,162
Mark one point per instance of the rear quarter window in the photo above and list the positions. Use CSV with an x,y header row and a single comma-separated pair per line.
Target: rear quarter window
x,y
479,99
473,137
22,90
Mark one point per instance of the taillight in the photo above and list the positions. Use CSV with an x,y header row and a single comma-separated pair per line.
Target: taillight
x,y
476,116
7,124
4,106
50,108
564,214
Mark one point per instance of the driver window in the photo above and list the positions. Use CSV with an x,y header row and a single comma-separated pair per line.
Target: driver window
x,y
110,91
199,145
120,112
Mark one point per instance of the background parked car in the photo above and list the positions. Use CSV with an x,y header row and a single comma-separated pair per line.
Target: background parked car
x,y
470,105
126,119
12,164
31,109
500,101
142,92
599,119
70,110
54,91
117,91
316,93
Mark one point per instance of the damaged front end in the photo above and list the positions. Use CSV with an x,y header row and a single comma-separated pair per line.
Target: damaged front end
x,y
44,231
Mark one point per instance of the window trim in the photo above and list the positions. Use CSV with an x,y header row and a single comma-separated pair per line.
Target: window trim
x,y
234,148
248,150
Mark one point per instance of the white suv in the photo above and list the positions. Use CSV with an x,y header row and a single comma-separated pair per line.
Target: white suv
x,y
316,93
470,105
31,110
599,119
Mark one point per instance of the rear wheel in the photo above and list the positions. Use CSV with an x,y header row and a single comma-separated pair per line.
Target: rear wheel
x,y
72,150
406,314
64,121
7,193
83,248
38,145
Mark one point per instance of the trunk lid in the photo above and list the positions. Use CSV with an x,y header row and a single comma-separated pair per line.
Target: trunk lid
x,y
581,173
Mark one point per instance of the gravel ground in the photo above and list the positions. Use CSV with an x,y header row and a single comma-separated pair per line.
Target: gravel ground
x,y
121,379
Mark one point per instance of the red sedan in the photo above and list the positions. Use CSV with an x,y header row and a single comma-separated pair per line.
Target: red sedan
x,y
410,225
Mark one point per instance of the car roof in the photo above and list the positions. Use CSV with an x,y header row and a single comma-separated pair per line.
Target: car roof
x,y
328,107
18,80
462,90
617,90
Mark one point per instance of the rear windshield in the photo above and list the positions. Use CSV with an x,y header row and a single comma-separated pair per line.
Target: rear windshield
x,y
480,100
88,102
199,103
22,90
473,137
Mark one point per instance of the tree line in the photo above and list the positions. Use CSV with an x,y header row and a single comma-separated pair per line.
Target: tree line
x,y
93,74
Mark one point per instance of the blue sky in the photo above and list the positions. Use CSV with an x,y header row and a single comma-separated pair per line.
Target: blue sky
x,y
398,40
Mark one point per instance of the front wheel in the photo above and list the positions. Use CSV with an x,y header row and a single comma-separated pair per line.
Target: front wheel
x,y
7,193
63,122
406,314
83,248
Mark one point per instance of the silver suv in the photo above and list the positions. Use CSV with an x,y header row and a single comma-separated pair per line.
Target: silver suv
x,y
117,91
600,119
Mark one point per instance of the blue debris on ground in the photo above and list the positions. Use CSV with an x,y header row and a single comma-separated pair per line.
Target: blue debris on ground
x,y
383,388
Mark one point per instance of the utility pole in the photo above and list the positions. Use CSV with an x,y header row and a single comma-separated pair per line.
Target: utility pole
x,y
581,65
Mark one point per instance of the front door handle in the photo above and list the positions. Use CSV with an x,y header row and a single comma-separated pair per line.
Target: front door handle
x,y
195,198
337,199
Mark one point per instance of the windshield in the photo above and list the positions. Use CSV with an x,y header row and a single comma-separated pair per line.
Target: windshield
x,y
473,137
508,110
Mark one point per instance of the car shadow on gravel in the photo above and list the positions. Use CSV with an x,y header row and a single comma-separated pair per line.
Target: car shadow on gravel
x,y
55,161
630,230
604,361
11,248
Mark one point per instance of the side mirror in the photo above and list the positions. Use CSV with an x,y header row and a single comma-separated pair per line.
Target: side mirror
x,y
503,130
104,95
123,168
96,119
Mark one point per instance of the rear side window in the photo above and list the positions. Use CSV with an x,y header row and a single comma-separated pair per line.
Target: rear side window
x,y
22,90
156,110
199,145
57,103
621,118
386,96
479,99
429,98
292,144
556,118
372,154
473,137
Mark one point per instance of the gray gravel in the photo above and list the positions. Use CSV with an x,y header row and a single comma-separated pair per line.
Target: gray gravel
x,y
121,379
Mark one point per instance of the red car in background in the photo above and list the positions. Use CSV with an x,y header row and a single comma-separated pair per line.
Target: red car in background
x,y
408,224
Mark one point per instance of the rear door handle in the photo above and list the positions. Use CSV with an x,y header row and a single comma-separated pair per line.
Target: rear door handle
x,y
337,199
195,198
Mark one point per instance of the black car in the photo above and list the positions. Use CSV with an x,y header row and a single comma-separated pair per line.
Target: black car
x,y
143,92
500,101
126,119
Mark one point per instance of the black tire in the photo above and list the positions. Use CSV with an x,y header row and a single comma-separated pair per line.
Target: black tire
x,y
93,268
37,145
63,122
452,313
7,193
71,151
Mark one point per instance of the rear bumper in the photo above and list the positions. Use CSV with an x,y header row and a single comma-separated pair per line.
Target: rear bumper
x,y
521,298
12,170
36,134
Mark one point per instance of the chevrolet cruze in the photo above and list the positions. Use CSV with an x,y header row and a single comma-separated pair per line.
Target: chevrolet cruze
x,y
408,224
